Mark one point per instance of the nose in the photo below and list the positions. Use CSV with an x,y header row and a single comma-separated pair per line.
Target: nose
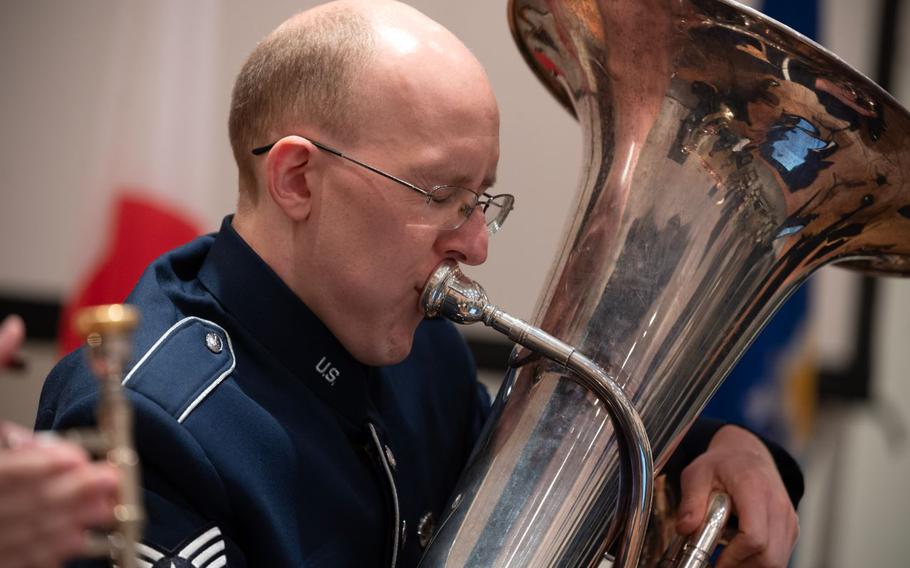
x,y
466,244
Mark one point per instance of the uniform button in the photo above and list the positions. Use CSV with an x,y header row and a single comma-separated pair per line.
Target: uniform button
x,y
391,458
425,528
404,532
213,342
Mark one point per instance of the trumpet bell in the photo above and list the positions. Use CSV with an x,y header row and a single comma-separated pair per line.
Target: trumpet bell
x,y
726,158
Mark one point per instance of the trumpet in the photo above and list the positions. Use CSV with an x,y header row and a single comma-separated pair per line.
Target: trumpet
x,y
108,333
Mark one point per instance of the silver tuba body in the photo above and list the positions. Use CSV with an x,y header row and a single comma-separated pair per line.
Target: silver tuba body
x,y
726,158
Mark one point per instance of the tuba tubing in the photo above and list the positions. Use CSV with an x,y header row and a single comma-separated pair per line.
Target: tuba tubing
x,y
450,293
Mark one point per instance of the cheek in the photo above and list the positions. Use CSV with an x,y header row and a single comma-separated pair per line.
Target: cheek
x,y
372,249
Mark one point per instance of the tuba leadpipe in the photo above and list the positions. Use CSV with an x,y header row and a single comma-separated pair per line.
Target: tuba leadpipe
x,y
726,158
451,294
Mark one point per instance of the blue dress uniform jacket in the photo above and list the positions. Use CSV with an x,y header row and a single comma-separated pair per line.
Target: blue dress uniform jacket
x,y
262,441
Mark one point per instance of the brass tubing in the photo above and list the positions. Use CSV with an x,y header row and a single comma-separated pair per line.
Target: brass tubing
x,y
108,331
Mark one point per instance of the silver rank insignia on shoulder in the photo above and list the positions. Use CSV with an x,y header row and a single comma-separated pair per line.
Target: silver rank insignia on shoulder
x,y
205,549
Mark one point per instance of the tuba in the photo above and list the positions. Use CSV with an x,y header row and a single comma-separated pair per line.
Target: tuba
x,y
726,158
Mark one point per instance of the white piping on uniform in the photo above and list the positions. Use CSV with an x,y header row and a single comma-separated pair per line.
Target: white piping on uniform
x,y
167,334
152,349
217,381
388,473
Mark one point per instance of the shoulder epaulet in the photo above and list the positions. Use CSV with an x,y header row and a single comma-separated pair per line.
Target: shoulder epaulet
x,y
183,366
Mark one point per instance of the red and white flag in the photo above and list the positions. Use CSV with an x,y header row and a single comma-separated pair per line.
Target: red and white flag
x,y
155,140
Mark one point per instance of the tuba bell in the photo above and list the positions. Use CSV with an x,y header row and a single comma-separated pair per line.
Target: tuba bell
x,y
726,158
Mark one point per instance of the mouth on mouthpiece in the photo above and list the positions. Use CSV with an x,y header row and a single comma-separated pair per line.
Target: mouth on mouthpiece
x,y
451,294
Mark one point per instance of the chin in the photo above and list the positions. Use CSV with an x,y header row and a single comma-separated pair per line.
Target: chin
x,y
390,349
390,346
392,355
398,347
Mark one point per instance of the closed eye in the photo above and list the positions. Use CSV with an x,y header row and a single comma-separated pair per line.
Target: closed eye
x,y
443,193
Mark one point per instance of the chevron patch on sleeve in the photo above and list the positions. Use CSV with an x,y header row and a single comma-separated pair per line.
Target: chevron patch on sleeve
x,y
205,549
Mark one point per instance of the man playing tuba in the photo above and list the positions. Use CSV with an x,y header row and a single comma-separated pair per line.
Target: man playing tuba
x,y
290,397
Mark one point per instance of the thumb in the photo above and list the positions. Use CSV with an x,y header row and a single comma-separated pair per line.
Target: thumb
x,y
696,485
12,332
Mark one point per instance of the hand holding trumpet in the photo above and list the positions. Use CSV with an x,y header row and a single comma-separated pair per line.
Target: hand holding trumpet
x,y
50,491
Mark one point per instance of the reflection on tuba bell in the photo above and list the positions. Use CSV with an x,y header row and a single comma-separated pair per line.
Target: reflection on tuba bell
x,y
108,332
726,159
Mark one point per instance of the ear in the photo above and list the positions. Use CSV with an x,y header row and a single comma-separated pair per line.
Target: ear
x,y
287,166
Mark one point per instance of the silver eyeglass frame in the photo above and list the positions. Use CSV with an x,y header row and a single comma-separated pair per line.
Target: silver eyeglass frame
x,y
504,201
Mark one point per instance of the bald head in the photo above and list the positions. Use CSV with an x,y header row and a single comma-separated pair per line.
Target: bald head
x,y
388,86
323,69
299,75
419,67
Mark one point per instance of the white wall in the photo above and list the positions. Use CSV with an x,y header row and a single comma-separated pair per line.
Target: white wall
x,y
857,507
55,60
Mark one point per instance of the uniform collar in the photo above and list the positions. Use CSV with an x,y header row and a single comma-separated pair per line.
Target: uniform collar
x,y
264,306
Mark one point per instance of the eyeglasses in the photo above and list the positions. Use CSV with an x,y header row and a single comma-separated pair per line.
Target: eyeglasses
x,y
447,206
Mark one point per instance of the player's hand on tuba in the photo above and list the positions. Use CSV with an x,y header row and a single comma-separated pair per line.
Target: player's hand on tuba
x,y
738,463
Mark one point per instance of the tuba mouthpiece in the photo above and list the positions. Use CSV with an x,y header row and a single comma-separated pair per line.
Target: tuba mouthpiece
x,y
449,293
